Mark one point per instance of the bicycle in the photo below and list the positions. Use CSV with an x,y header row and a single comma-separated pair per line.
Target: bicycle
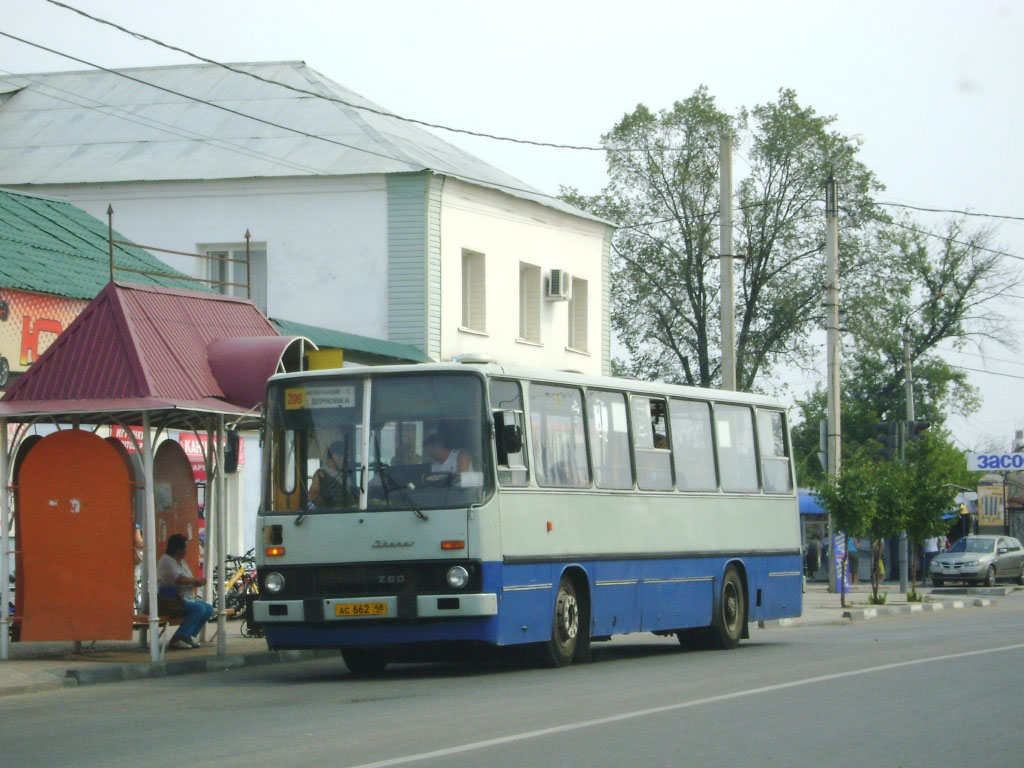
x,y
243,582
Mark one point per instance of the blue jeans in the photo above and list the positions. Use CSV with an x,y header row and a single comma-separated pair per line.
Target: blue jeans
x,y
197,613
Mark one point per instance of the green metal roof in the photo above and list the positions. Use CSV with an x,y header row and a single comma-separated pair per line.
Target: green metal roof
x,y
375,349
49,246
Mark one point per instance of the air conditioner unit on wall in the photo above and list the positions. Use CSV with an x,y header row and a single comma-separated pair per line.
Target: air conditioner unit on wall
x,y
558,286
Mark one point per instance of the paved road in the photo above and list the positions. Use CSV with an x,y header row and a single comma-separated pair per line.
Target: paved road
x,y
942,688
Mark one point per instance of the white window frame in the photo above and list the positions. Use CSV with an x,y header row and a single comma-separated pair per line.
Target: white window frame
x,y
474,291
221,272
578,316
529,303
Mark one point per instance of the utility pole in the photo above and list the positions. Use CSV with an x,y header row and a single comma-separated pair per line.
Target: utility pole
x,y
725,251
908,378
832,332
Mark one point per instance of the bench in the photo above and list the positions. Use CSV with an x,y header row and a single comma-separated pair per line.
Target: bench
x,y
141,621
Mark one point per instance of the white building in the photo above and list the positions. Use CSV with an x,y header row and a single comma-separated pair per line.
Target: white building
x,y
361,222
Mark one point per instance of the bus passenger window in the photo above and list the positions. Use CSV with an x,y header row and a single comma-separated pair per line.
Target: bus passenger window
x,y
507,405
734,429
693,446
609,439
650,440
559,442
771,439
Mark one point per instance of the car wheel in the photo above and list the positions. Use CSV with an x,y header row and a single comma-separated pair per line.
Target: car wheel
x,y
990,577
937,582
1020,576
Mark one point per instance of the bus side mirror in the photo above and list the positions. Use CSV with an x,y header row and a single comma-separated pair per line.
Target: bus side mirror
x,y
230,451
511,438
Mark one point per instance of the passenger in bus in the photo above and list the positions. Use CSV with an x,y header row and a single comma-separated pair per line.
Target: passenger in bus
x,y
405,452
445,458
331,483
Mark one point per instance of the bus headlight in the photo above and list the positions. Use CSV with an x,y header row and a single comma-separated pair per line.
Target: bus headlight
x,y
274,582
458,577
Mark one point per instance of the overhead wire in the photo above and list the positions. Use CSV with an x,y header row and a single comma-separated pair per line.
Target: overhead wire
x,y
363,107
298,131
181,132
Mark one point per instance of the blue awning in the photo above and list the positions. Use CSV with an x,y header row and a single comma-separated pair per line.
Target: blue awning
x,y
809,504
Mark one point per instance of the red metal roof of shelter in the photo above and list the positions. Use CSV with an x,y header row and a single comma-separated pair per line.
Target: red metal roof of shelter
x,y
144,347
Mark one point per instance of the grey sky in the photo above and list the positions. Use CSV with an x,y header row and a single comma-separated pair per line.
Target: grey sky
x,y
935,86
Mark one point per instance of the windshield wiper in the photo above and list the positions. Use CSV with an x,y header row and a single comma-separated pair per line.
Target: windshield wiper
x,y
386,477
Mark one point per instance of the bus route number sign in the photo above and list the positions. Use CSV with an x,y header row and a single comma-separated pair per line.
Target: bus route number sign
x,y
994,462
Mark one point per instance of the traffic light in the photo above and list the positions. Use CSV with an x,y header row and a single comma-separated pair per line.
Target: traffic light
x,y
888,436
916,429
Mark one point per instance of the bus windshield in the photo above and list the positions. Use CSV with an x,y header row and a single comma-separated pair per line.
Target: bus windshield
x,y
423,447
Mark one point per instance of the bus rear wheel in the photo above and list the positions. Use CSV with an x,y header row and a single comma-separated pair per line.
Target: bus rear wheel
x,y
727,626
560,649
364,662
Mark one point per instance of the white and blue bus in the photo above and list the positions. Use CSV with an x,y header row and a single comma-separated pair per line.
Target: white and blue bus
x,y
405,506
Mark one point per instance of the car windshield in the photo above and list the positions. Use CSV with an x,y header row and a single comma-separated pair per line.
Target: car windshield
x,y
973,545
425,448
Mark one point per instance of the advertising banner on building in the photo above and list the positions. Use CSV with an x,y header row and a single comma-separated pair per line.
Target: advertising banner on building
x,y
193,444
990,505
29,324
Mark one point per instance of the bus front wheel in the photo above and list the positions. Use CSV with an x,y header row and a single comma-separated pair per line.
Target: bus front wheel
x,y
364,662
565,627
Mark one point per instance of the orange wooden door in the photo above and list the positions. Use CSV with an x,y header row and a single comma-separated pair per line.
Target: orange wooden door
x,y
75,531
177,501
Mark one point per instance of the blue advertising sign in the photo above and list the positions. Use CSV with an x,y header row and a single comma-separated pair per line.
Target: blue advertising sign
x,y
994,462
839,553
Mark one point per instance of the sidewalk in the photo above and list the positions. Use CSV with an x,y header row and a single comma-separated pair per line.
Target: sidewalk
x,y
822,607
36,667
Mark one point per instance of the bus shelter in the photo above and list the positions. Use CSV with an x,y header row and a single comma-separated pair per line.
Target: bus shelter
x,y
147,360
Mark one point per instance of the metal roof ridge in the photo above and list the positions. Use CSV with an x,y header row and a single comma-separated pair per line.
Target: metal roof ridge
x,y
129,332
107,71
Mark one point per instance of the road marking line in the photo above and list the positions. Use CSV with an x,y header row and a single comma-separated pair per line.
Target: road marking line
x,y
677,706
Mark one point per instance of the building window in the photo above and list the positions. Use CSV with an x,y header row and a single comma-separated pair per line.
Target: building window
x,y
578,316
227,271
529,302
474,298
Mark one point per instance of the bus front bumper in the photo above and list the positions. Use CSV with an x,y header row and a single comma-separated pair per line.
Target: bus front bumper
x,y
269,611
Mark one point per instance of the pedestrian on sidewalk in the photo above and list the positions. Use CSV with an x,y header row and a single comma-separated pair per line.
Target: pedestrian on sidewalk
x,y
813,557
853,558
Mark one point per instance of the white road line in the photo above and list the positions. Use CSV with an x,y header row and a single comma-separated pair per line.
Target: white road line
x,y
672,707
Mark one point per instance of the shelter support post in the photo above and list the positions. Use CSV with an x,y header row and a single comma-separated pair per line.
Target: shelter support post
x,y
150,538
5,547
221,540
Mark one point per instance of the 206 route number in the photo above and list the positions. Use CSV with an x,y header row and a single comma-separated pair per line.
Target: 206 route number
x,y
361,609
995,461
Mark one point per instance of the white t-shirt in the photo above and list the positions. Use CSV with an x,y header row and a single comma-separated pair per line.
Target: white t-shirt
x,y
449,465
167,572
932,544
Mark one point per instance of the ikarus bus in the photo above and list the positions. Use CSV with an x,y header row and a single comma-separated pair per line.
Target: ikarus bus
x,y
407,506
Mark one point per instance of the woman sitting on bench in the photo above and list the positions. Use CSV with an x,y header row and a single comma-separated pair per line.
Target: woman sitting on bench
x,y
176,595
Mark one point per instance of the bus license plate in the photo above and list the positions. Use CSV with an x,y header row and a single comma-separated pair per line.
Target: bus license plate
x,y
361,609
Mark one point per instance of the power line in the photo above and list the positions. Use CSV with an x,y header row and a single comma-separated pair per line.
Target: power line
x,y
185,133
983,357
942,210
373,110
484,182
941,237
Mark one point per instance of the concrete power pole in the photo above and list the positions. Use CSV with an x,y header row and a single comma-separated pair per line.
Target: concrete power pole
x,y
908,376
832,332
725,251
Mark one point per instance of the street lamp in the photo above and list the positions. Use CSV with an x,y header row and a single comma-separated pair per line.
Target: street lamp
x,y
832,332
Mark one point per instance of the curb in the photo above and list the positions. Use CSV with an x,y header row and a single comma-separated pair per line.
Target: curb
x,y
115,673
859,614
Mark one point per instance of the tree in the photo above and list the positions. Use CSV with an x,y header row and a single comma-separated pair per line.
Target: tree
x,y
663,193
851,499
